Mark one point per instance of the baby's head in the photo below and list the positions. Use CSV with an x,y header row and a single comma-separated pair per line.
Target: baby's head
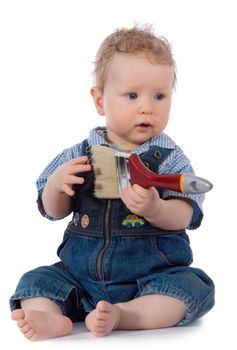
x,y
137,40
134,78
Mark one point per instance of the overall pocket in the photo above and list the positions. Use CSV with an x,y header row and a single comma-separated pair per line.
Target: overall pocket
x,y
64,243
175,248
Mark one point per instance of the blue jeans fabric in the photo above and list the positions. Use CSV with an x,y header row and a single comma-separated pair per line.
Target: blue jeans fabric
x,y
132,266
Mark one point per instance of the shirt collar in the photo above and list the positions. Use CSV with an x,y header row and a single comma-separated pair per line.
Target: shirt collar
x,y
97,137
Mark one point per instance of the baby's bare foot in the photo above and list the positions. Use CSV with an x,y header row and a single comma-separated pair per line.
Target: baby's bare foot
x,y
39,325
103,319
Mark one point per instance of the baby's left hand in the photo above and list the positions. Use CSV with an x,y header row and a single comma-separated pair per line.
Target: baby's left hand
x,y
141,201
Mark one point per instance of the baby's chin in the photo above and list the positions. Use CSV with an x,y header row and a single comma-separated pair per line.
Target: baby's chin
x,y
143,138
129,147
129,143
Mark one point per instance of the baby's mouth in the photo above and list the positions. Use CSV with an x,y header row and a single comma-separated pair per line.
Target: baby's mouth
x,y
143,125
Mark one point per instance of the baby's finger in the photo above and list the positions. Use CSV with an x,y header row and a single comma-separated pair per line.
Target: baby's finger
x,y
74,169
72,180
129,196
144,192
76,180
78,160
68,190
140,190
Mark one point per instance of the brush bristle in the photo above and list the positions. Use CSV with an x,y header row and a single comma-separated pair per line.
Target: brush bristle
x,y
105,170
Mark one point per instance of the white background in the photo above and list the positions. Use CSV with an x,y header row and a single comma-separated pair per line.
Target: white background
x,y
47,49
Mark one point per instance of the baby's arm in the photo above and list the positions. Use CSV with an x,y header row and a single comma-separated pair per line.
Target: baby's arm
x,y
170,214
57,193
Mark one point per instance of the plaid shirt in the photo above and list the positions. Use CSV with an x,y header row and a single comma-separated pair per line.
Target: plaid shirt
x,y
176,162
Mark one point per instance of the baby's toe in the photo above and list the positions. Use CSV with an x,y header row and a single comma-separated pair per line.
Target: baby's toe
x,y
30,335
21,323
17,314
103,306
25,329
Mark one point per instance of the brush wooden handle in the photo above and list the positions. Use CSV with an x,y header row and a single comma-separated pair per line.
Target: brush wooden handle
x,y
183,183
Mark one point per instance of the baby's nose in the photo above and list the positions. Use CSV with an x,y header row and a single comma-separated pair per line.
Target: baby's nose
x,y
145,107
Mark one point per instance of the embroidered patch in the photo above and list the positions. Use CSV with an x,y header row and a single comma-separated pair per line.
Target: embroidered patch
x,y
133,221
85,221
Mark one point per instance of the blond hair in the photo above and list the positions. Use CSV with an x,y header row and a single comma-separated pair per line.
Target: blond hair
x,y
132,41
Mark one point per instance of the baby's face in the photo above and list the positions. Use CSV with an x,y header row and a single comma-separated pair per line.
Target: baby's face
x,y
136,99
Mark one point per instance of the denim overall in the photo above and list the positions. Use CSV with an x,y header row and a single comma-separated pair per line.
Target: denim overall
x,y
108,253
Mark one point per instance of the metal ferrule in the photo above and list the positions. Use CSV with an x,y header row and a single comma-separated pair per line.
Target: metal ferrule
x,y
123,172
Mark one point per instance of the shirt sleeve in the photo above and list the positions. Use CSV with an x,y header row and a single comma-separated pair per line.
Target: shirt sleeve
x,y
176,163
62,158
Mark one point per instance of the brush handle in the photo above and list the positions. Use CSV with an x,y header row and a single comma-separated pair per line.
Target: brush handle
x,y
183,183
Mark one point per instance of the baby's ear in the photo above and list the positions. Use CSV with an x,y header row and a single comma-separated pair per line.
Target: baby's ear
x,y
97,95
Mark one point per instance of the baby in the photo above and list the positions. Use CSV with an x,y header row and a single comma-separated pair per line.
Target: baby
x,y
124,263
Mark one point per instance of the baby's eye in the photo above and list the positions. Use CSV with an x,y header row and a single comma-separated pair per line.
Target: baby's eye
x,y
132,95
159,97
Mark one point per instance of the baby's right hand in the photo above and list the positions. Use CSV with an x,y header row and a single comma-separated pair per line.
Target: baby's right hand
x,y
65,177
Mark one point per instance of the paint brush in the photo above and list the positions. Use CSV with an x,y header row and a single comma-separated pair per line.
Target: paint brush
x,y
116,170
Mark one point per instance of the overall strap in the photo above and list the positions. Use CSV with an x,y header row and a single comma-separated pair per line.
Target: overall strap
x,y
88,187
85,147
155,156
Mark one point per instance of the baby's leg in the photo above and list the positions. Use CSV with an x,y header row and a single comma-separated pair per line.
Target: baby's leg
x,y
40,318
151,312
146,312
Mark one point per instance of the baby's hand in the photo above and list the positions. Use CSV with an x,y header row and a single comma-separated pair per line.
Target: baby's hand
x,y
65,177
141,201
